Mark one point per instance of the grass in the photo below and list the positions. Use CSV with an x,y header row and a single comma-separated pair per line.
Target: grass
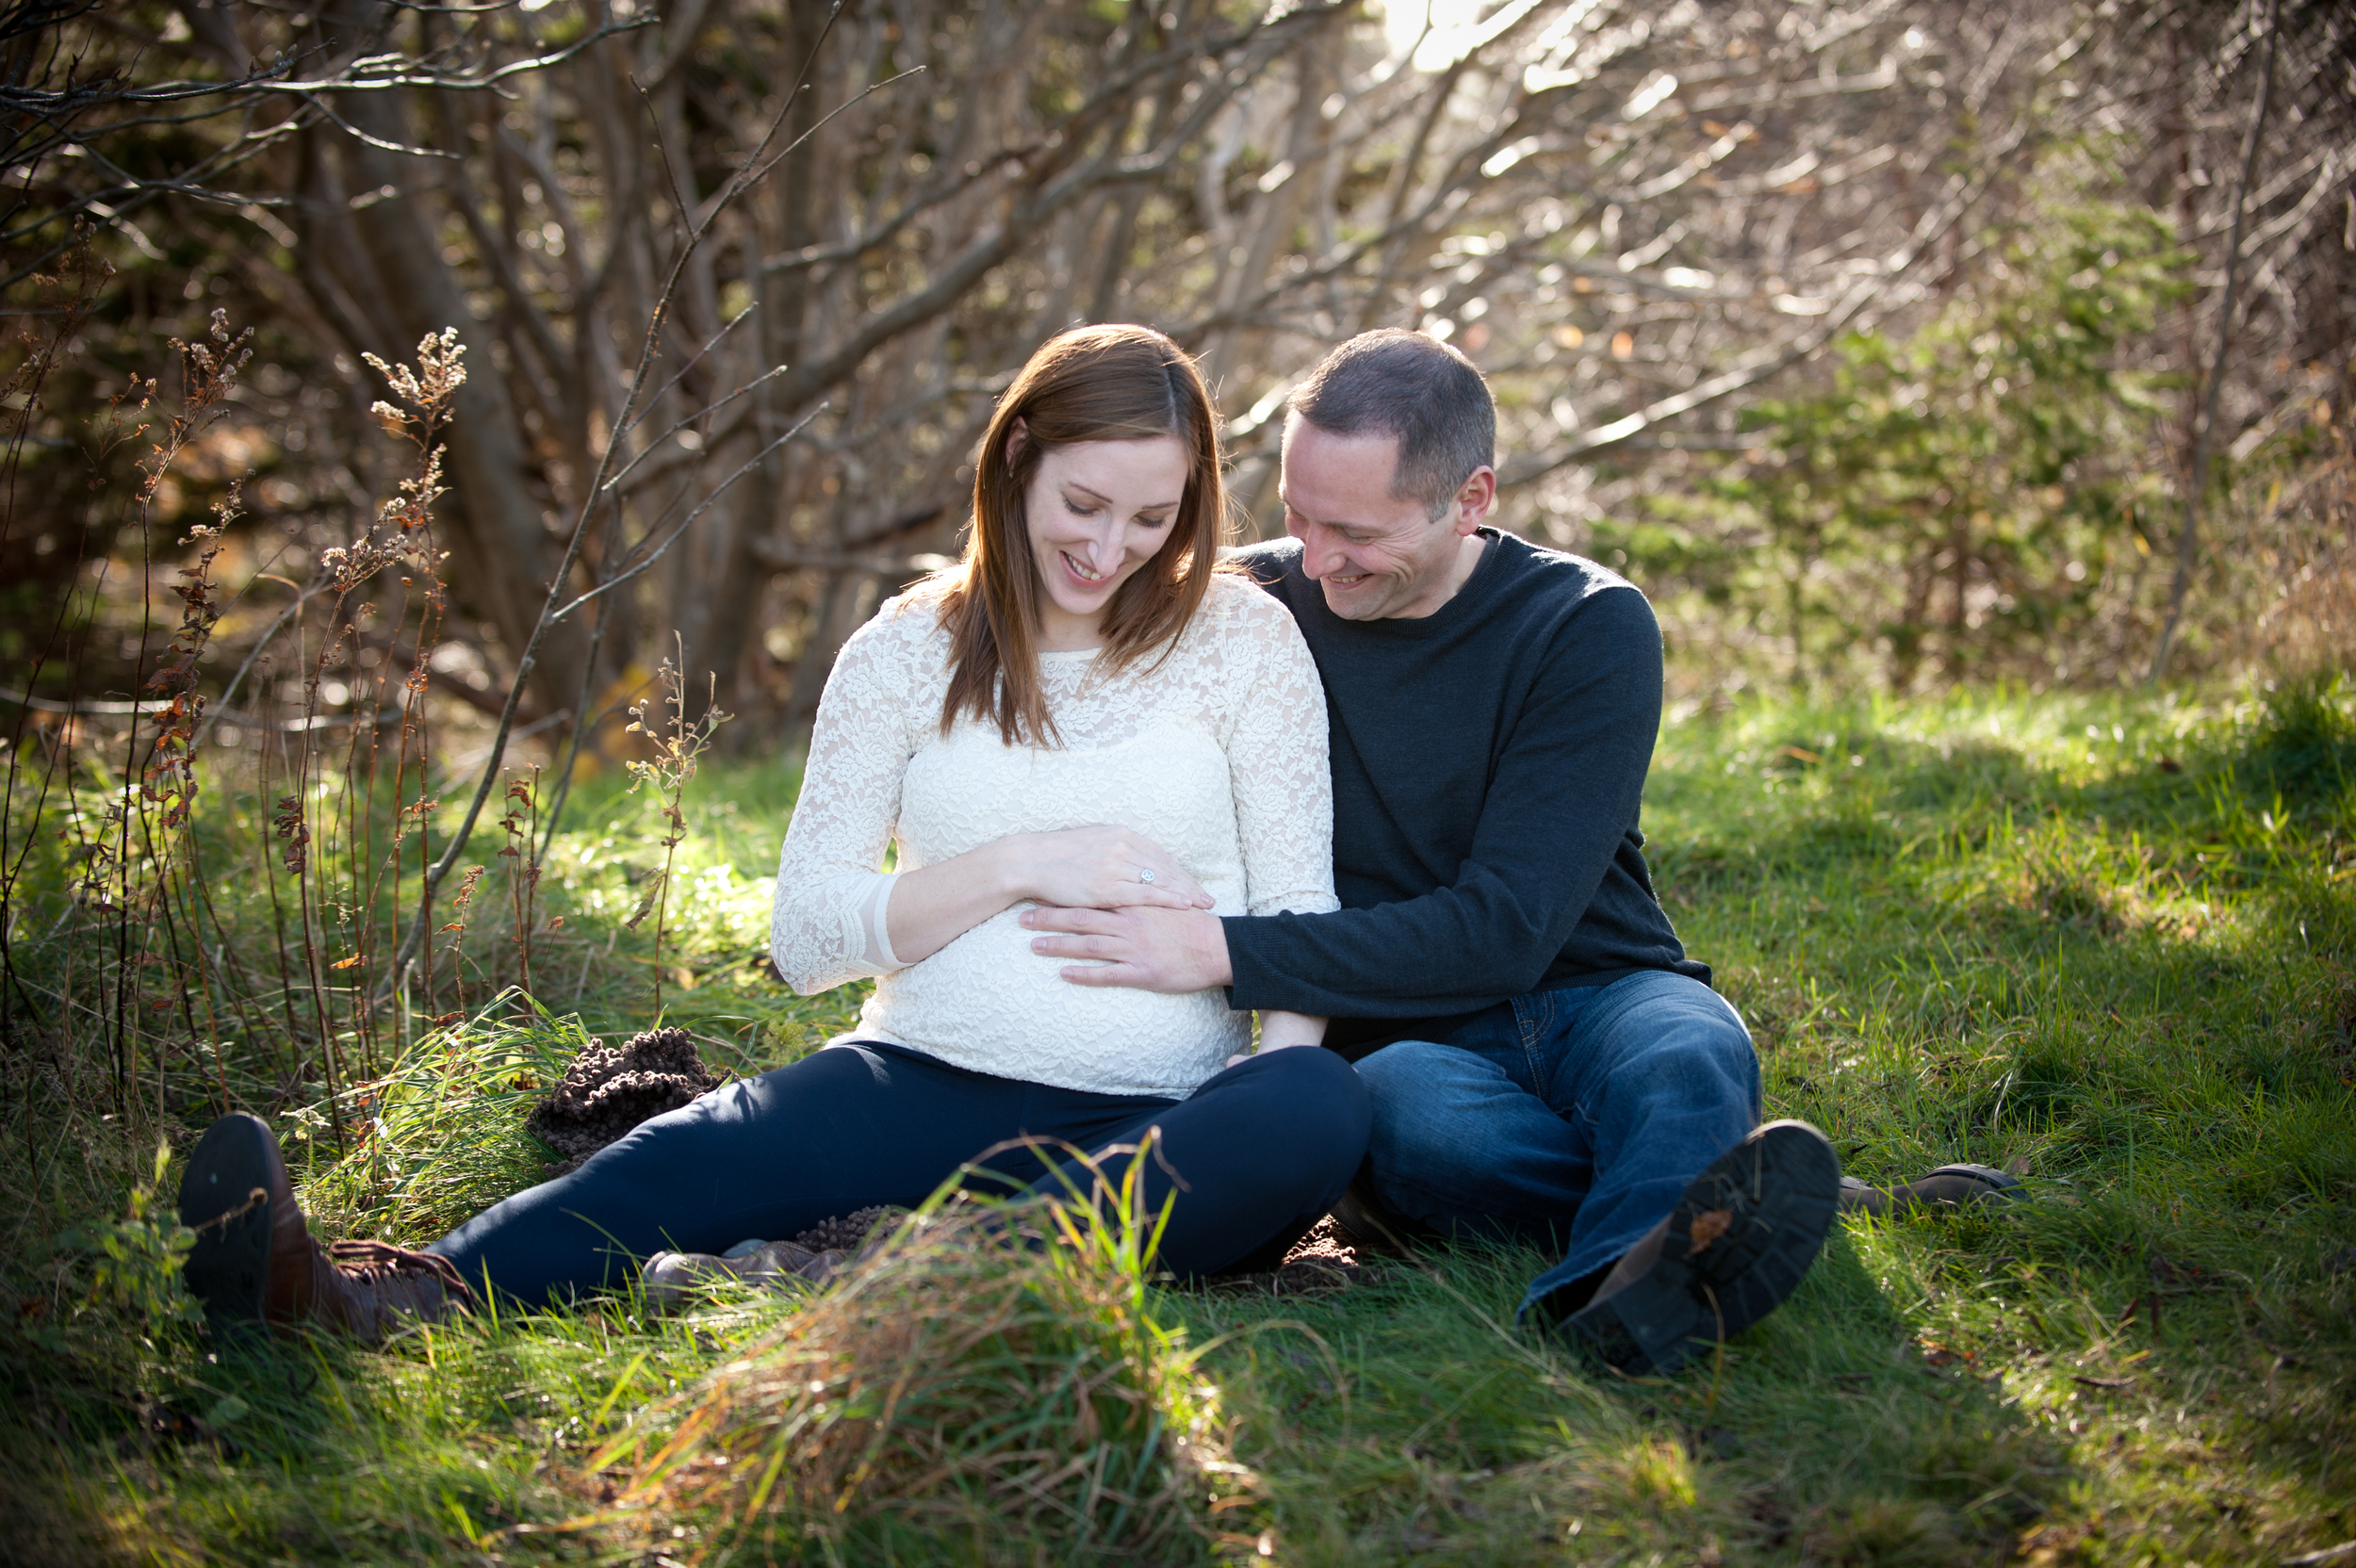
x,y
2112,937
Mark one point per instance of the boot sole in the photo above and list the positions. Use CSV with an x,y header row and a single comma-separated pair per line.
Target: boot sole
x,y
228,1268
1740,1241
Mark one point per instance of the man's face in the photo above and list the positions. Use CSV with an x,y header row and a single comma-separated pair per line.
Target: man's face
x,y
1376,555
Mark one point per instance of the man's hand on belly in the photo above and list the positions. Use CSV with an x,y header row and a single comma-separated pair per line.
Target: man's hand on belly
x,y
1172,951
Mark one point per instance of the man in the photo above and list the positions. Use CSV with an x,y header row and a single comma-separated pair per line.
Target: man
x,y
1544,1059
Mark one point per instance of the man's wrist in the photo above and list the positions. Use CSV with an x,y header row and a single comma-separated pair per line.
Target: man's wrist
x,y
1218,958
1218,969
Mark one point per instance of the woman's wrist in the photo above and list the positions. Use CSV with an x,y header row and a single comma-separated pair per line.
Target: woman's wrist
x,y
1007,863
934,904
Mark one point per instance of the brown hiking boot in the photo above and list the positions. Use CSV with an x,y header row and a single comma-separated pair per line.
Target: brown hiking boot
x,y
255,1261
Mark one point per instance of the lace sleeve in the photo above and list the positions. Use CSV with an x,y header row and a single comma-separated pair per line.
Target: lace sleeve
x,y
827,924
1277,759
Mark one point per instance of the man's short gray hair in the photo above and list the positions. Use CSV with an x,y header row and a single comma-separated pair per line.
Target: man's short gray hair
x,y
1412,387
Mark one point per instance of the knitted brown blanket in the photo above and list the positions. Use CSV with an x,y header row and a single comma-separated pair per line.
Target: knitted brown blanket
x,y
605,1092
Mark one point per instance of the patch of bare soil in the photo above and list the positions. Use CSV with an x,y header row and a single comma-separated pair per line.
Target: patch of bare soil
x,y
1327,1260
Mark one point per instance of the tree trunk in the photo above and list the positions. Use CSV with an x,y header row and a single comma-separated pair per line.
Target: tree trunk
x,y
756,510
501,547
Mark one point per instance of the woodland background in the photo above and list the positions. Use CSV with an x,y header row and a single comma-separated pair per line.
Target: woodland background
x,y
1881,343
421,424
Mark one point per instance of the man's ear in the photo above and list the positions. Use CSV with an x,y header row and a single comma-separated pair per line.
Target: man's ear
x,y
1476,498
1018,437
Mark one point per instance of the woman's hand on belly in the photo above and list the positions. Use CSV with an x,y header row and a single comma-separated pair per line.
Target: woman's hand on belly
x,y
1102,868
1082,867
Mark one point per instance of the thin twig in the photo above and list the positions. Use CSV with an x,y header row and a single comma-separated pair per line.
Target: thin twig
x,y
656,444
693,359
302,597
638,566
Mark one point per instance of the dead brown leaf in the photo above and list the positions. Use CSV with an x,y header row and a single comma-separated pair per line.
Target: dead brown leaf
x,y
1708,1228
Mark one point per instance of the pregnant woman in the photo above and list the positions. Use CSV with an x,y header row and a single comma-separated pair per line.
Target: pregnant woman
x,y
1087,712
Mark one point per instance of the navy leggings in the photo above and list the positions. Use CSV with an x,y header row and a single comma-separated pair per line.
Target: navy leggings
x,y
1257,1154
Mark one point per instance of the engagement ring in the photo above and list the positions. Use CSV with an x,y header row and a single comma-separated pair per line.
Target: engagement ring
x,y
1146,875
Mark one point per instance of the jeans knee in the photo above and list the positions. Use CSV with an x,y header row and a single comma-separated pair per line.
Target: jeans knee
x,y
1707,1058
1406,1079
1725,1045
1422,1093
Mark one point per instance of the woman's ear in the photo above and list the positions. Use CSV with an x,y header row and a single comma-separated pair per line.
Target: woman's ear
x,y
1018,436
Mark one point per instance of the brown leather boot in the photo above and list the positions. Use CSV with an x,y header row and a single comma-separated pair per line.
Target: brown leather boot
x,y
255,1261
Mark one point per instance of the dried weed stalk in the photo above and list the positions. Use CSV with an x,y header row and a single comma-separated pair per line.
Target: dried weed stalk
x,y
428,395
399,539
678,746
459,903
132,872
521,824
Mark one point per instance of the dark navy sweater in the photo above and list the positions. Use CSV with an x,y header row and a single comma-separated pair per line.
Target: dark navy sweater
x,y
1489,767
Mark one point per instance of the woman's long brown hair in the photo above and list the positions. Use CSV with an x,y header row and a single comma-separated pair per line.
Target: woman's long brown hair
x,y
1093,383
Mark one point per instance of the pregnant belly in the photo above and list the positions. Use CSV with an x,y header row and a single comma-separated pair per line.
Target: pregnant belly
x,y
987,1002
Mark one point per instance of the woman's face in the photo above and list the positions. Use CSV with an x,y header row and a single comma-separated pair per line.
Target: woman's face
x,y
1096,510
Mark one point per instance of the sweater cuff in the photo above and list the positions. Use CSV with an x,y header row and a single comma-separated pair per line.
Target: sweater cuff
x,y
874,922
1253,985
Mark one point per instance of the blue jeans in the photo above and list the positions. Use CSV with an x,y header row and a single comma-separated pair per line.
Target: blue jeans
x,y
1571,1118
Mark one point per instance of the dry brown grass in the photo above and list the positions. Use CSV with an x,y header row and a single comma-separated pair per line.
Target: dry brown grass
x,y
990,1376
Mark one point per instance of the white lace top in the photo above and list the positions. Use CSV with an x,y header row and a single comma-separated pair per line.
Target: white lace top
x,y
1218,754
